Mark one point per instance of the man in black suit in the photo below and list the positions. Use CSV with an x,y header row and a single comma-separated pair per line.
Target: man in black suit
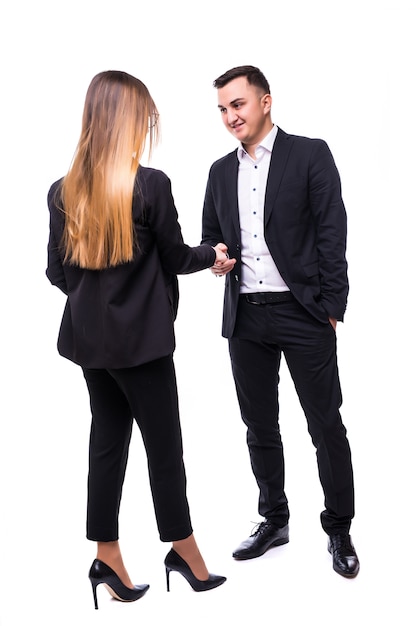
x,y
276,203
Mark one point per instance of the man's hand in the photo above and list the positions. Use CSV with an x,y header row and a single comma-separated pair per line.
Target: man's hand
x,y
223,264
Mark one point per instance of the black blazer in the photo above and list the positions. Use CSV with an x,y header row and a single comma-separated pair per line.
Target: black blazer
x,y
305,225
124,316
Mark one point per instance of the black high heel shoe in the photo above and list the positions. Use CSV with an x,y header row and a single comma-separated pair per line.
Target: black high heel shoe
x,y
174,563
102,573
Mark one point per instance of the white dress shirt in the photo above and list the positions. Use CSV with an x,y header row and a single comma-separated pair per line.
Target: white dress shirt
x,y
259,272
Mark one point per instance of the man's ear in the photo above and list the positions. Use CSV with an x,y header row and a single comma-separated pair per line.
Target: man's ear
x,y
267,102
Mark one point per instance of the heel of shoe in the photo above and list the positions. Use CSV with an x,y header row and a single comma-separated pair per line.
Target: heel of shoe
x,y
167,573
102,573
94,587
280,542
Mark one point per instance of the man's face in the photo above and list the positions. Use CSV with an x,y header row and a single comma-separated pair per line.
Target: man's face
x,y
245,111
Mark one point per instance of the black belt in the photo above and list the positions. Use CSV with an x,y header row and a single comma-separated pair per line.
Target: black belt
x,y
268,297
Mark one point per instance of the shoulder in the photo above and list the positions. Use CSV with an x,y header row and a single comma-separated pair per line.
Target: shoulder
x,y
302,143
55,187
54,194
225,161
151,176
150,181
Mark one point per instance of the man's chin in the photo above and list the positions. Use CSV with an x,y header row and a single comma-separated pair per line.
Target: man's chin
x,y
239,133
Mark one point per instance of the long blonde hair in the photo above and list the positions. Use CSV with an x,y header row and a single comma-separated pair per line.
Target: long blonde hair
x,y
119,118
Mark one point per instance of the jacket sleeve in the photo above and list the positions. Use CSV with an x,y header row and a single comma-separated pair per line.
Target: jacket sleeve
x,y
211,231
330,221
176,256
54,270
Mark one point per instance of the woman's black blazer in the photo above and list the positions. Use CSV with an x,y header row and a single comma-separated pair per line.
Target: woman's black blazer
x,y
124,316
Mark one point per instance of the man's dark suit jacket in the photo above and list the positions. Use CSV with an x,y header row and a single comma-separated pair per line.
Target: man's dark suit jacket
x,y
304,222
124,316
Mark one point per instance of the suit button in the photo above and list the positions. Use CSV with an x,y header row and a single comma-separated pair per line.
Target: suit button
x,y
236,277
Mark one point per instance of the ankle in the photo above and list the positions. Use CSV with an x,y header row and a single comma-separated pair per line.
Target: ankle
x,y
189,551
109,552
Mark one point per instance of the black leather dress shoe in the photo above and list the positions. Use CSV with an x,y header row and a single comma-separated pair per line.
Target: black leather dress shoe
x,y
345,559
266,536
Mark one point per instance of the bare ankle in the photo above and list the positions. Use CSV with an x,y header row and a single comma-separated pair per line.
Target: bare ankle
x,y
189,551
109,552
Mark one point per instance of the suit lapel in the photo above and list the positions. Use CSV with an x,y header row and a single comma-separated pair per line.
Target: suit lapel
x,y
231,173
280,153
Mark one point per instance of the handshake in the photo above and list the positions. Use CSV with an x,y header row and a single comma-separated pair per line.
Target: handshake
x,y
223,264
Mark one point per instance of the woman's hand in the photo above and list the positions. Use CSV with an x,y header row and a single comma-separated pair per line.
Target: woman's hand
x,y
223,264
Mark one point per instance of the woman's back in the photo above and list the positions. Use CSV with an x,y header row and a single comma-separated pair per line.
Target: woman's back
x,y
123,316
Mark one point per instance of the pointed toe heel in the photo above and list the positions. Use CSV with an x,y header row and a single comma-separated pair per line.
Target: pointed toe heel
x,y
174,563
100,573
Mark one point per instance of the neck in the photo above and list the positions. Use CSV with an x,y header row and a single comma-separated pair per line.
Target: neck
x,y
251,148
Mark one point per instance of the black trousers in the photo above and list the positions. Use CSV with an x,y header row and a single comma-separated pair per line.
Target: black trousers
x,y
148,395
262,334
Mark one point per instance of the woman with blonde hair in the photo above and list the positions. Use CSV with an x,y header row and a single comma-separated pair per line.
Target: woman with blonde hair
x,y
115,249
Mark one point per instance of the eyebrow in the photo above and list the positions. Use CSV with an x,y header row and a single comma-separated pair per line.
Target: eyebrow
x,y
221,106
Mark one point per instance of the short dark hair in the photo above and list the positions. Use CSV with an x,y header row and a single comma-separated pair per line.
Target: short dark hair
x,y
253,75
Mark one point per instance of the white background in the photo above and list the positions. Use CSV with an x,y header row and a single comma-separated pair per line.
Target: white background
x,y
342,71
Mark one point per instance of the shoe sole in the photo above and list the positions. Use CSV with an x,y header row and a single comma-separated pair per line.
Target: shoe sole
x,y
346,574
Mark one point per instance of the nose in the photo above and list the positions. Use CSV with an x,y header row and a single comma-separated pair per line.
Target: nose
x,y
231,116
